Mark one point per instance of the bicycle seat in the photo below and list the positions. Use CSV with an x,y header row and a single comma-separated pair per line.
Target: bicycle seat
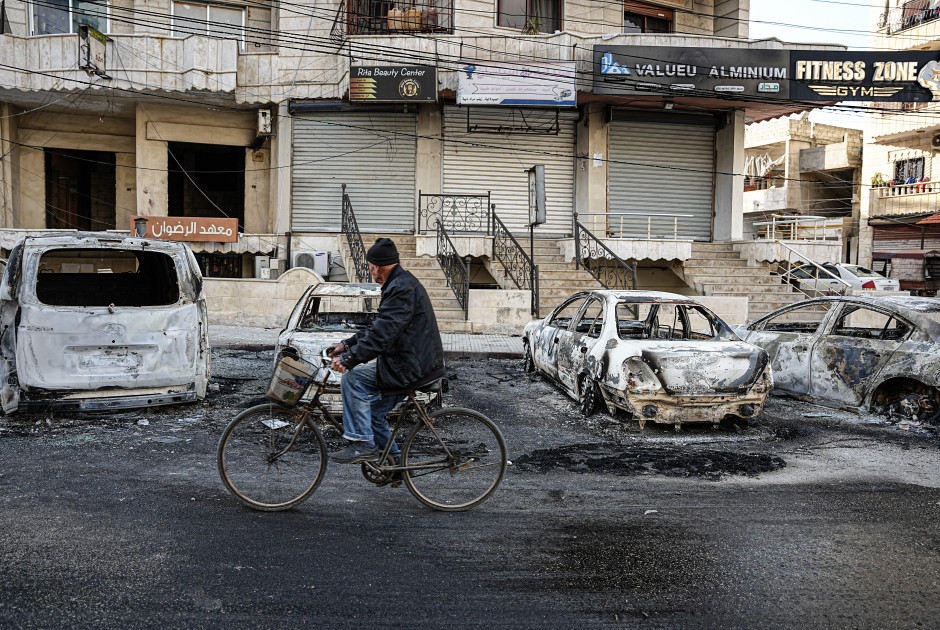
x,y
431,387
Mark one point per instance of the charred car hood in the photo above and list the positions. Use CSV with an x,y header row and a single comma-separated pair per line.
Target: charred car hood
x,y
706,367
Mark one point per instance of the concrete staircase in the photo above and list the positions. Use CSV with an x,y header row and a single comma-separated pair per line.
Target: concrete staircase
x,y
718,269
558,278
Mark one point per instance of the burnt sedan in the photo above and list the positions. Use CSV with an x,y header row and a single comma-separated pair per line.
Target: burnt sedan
x,y
659,356
877,353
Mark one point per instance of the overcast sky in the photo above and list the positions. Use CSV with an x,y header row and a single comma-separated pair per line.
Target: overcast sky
x,y
816,22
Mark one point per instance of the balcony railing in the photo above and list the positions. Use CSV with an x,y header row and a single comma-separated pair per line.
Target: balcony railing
x,y
384,17
910,15
643,225
904,199
803,228
460,214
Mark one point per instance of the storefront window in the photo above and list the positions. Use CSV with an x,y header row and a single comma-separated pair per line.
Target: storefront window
x,y
220,265
209,19
62,16
531,16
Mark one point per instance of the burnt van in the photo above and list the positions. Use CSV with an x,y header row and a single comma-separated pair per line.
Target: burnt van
x,y
98,321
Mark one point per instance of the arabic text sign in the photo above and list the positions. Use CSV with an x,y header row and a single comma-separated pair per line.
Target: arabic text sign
x,y
190,229
908,76
550,83
694,71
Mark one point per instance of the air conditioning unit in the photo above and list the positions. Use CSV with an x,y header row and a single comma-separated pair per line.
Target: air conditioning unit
x,y
935,141
265,123
319,262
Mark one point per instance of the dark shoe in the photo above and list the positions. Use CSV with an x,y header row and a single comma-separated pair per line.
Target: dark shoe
x,y
356,453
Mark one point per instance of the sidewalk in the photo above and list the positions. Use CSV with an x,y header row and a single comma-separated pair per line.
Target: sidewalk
x,y
456,345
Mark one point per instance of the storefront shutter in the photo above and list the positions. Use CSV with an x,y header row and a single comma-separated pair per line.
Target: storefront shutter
x,y
372,153
491,160
661,168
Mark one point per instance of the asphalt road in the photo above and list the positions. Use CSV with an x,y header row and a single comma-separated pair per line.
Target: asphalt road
x,y
826,520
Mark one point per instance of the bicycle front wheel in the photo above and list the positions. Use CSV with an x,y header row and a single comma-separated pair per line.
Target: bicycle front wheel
x,y
458,464
268,460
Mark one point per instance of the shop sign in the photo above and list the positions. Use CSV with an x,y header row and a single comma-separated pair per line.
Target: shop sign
x,y
375,84
695,71
200,229
908,76
550,83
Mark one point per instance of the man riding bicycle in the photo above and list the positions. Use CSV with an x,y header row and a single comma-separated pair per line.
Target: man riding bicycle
x,y
404,341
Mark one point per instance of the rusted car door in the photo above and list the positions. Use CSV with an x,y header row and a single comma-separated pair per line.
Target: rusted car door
x,y
576,344
789,337
853,351
548,336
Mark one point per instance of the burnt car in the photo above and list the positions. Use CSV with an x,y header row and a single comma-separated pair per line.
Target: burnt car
x,y
659,356
875,353
102,321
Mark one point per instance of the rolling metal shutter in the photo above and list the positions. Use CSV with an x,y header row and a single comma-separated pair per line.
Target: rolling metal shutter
x,y
372,153
492,161
661,168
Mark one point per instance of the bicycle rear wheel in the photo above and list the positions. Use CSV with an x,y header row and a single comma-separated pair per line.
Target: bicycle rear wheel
x,y
256,464
467,475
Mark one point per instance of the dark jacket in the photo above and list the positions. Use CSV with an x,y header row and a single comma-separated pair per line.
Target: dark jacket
x,y
403,338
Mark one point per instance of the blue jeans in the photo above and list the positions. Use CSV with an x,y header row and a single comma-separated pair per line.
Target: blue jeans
x,y
364,408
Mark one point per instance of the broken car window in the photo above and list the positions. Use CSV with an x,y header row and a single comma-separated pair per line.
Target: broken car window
x,y
865,323
563,316
805,318
632,319
592,319
103,277
337,313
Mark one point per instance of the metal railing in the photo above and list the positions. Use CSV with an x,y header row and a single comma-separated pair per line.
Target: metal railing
x,y
804,228
910,15
905,199
644,225
386,17
354,240
600,261
821,280
458,213
519,266
338,30
456,270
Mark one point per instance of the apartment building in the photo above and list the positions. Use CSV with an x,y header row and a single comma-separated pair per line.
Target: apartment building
x,y
901,169
265,113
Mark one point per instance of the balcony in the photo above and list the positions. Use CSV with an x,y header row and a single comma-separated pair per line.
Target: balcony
x,y
905,199
383,17
910,15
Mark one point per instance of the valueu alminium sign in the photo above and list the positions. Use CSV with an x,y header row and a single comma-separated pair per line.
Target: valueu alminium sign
x,y
375,84
801,75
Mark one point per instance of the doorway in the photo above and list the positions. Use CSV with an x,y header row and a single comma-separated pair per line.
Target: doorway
x,y
206,180
80,190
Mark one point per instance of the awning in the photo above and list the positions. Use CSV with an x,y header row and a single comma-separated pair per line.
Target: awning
x,y
932,219
903,253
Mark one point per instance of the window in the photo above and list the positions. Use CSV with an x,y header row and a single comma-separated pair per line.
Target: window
x,y
388,16
64,16
904,170
645,18
802,319
530,16
592,321
865,323
566,312
209,19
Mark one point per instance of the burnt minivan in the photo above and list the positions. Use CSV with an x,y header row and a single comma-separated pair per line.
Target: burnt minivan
x,y
101,321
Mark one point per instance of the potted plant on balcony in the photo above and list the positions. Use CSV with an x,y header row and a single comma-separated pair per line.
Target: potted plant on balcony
x,y
878,180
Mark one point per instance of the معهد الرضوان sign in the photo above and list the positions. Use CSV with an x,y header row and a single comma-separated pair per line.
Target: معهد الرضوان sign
x,y
374,84
196,229
800,75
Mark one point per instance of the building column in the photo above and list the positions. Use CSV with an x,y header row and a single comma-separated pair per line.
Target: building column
x,y
257,182
430,163
31,167
591,168
125,190
279,214
151,170
728,224
7,129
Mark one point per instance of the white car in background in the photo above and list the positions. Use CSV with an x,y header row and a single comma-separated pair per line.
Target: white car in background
x,y
812,278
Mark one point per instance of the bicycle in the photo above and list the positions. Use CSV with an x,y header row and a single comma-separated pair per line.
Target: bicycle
x,y
273,456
